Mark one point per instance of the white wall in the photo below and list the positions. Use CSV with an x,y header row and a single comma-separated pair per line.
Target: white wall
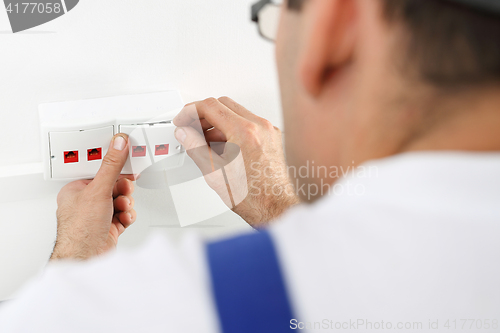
x,y
101,48
114,47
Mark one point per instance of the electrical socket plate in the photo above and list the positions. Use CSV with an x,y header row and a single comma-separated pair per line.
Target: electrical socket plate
x,y
75,135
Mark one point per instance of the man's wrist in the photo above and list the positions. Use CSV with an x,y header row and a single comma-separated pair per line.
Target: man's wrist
x,y
259,215
65,250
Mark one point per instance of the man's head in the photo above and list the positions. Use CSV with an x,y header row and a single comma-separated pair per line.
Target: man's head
x,y
366,79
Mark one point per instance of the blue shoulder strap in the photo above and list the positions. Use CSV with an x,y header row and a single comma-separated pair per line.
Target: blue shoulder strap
x,y
248,285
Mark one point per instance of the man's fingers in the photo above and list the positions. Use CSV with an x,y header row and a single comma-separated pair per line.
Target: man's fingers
x,y
112,164
238,109
215,113
198,149
205,125
130,177
123,203
126,219
124,186
189,138
215,135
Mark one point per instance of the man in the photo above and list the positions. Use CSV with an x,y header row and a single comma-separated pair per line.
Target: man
x,y
406,91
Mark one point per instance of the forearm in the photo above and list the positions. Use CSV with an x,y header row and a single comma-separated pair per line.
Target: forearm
x,y
267,208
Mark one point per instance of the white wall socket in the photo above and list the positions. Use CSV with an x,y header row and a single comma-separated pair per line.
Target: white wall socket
x,y
75,135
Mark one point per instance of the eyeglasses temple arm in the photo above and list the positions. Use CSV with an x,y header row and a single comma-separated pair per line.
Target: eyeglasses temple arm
x,y
256,8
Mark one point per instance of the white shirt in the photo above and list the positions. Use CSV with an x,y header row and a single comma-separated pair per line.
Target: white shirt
x,y
415,242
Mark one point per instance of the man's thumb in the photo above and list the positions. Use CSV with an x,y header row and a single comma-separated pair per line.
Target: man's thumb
x,y
112,163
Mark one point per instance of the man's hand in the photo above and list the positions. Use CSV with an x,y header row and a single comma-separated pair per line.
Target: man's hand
x,y
261,172
92,214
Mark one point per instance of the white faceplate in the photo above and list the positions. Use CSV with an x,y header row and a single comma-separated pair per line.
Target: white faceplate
x,y
78,142
152,144
80,126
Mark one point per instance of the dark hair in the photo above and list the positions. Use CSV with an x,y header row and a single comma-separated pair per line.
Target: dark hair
x,y
295,4
448,44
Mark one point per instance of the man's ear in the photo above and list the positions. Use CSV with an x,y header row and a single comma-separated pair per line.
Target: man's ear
x,y
329,40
